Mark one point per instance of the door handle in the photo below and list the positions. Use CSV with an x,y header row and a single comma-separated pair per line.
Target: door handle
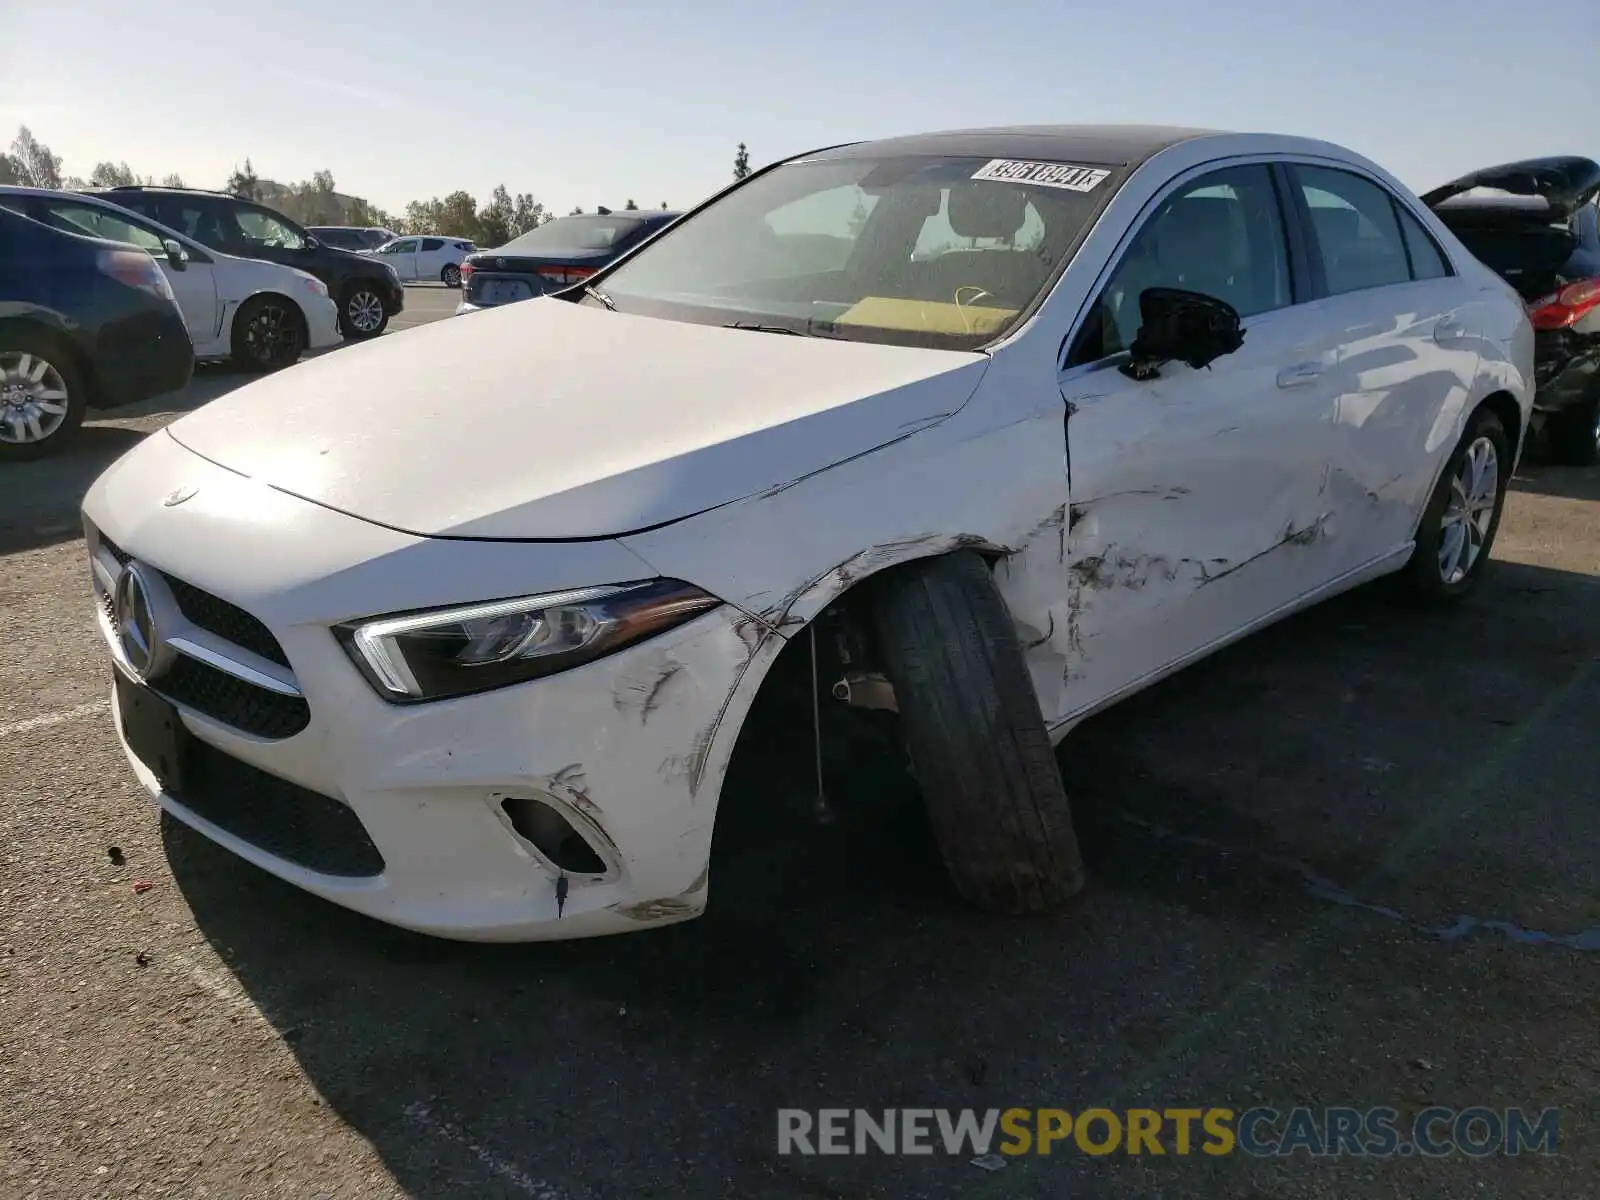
x,y
1299,375
1448,329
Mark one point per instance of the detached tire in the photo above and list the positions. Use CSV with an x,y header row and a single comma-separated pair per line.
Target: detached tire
x,y
977,743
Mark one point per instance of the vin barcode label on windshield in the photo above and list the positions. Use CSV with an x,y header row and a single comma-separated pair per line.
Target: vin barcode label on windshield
x,y
1044,174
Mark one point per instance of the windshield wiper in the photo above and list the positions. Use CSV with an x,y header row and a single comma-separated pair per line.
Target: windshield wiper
x,y
611,305
760,328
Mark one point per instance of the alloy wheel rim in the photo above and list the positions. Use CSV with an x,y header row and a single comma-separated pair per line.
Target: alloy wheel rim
x,y
33,398
270,333
1468,514
366,311
452,275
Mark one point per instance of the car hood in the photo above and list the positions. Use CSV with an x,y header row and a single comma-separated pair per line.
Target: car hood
x,y
1565,182
546,420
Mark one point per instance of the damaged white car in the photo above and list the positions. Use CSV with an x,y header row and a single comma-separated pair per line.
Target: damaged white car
x,y
460,629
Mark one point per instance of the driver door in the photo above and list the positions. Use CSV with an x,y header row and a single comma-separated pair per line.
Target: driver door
x,y
1199,498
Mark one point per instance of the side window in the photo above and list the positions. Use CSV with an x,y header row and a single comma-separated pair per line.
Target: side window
x,y
100,223
1427,260
429,245
1356,231
264,230
1221,234
197,219
405,247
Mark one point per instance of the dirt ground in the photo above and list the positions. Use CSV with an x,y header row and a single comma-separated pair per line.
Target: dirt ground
x,y
1322,862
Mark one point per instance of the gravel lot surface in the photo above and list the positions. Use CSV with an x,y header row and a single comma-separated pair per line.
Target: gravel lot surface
x,y
1301,850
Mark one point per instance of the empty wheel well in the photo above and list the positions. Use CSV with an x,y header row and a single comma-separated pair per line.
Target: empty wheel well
x,y
1504,406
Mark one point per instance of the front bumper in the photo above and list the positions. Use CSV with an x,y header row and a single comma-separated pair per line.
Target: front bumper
x,y
631,749
322,322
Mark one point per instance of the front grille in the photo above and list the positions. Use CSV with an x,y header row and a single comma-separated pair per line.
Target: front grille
x,y
214,614
294,823
231,700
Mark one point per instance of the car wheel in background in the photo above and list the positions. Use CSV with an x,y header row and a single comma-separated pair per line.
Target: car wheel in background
x,y
268,334
1458,526
1574,435
42,395
361,312
970,721
451,275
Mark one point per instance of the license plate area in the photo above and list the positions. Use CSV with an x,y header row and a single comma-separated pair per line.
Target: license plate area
x,y
153,730
505,291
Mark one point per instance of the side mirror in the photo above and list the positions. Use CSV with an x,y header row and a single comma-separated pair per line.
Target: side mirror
x,y
1191,327
176,254
311,243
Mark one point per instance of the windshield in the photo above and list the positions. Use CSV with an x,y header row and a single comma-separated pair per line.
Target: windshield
x,y
569,234
918,251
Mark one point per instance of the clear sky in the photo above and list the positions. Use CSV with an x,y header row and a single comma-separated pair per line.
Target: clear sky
x,y
591,102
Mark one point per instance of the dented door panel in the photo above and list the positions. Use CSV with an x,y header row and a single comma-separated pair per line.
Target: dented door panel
x,y
1404,377
1199,503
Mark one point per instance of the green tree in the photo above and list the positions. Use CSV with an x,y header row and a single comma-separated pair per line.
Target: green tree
x,y
173,180
576,212
741,162
32,162
495,217
110,174
630,206
527,213
360,212
8,172
244,183
663,206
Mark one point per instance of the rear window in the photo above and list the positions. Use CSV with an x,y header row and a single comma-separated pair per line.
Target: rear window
x,y
568,235
918,250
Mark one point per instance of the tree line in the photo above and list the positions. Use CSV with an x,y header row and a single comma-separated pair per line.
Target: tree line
x,y
316,201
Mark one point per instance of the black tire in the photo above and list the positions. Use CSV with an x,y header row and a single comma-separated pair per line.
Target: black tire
x,y
269,333
22,349
1573,436
451,275
362,312
977,743
1424,577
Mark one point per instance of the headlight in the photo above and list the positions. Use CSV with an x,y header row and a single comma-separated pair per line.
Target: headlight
x,y
314,285
456,651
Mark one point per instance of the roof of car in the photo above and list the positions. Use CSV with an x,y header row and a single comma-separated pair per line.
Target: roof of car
x,y
1104,144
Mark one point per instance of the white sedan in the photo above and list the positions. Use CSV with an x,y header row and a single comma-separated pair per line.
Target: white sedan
x,y
993,427
424,259
260,315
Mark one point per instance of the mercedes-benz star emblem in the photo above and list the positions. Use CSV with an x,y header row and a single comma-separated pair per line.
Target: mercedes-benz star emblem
x,y
180,495
146,652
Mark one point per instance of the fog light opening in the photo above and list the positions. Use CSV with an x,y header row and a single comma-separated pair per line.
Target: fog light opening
x,y
553,835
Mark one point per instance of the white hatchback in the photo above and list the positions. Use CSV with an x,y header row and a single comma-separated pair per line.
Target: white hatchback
x,y
424,259
993,427
260,315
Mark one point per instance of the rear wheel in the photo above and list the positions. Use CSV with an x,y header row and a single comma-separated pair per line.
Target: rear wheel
x,y
42,395
362,313
977,743
1458,526
269,334
1574,435
451,275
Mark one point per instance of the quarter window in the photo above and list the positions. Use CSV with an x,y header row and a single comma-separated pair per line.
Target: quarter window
x,y
1221,234
1427,260
1355,229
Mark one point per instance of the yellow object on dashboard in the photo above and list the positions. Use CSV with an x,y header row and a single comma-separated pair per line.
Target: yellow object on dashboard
x,y
925,316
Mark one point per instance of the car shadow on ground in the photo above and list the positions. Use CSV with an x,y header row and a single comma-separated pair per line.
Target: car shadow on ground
x,y
1572,483
1292,820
